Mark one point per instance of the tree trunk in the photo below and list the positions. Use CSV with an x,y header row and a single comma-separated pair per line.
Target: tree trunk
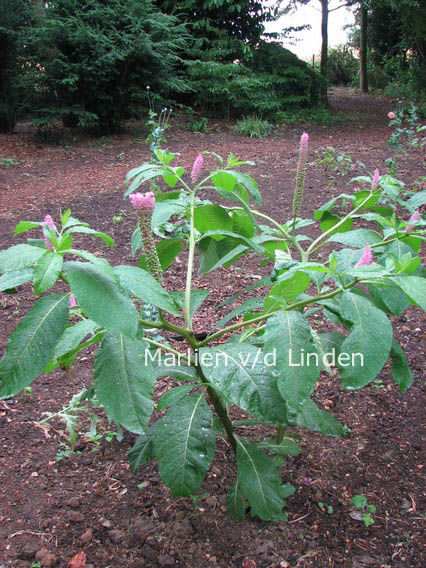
x,y
363,79
324,50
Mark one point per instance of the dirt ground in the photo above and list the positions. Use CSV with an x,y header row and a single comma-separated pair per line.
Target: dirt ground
x,y
54,505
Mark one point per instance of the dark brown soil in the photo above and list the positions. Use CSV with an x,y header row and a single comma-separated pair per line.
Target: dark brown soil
x,y
89,501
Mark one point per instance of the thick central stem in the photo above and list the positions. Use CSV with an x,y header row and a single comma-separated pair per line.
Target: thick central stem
x,y
219,408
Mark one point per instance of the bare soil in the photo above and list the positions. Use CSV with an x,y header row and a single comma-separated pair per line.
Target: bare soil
x,y
53,506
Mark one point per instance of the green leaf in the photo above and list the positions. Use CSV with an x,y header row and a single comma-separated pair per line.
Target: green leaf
x,y
247,306
173,176
259,481
359,501
184,444
366,349
289,334
285,448
143,285
19,256
24,226
317,420
32,343
236,503
389,299
167,250
87,231
171,397
357,238
248,182
417,200
290,286
242,374
211,218
401,371
163,210
197,298
414,287
101,298
142,451
329,220
224,180
142,174
101,263
124,381
46,271
181,372
15,278
214,254
73,336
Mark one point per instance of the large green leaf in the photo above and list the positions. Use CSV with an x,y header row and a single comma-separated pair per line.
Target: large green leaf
x,y
163,210
242,375
401,371
290,286
124,381
211,218
366,349
32,343
184,444
236,503
101,298
47,270
388,298
214,254
143,285
15,278
297,363
357,238
19,256
414,287
317,420
259,482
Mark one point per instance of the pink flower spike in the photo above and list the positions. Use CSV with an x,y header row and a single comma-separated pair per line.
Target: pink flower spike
x,y
197,167
376,178
304,141
142,201
414,217
73,301
49,222
366,257
391,115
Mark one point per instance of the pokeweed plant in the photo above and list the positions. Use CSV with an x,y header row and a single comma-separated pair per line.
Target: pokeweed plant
x,y
261,368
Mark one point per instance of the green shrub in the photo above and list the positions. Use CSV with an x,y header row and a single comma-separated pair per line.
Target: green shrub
x,y
253,126
342,66
271,80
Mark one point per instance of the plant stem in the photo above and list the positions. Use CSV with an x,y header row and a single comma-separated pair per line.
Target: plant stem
x,y
219,408
313,246
187,305
262,317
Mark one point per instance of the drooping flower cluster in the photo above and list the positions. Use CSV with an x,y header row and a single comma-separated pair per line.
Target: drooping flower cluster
x,y
366,257
197,167
144,204
300,175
